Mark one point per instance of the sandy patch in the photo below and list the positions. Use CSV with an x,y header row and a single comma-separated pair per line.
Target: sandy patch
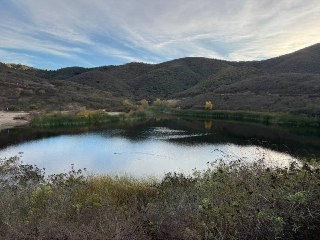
x,y
13,119
114,113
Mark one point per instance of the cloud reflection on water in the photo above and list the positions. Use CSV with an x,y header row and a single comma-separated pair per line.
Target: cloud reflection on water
x,y
152,156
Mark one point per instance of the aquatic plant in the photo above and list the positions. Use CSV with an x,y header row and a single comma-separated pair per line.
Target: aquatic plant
x,y
83,118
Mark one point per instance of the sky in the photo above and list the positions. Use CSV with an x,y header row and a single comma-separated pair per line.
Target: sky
x,y
51,34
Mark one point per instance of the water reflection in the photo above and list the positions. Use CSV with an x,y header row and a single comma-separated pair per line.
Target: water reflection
x,y
143,150
208,124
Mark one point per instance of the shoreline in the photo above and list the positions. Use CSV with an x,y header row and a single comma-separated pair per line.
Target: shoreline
x,y
67,118
269,118
13,119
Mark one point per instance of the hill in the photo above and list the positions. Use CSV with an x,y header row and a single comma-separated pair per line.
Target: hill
x,y
289,83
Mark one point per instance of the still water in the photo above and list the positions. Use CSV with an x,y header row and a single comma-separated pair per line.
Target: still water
x,y
158,146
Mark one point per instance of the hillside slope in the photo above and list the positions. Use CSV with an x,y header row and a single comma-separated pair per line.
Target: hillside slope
x,y
27,92
289,83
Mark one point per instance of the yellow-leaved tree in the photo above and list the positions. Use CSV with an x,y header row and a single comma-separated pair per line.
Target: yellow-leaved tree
x,y
208,105
157,102
129,105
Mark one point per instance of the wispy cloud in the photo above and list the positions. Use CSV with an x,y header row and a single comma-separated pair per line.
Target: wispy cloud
x,y
100,32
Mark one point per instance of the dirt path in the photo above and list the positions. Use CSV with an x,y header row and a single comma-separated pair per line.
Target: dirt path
x,y
13,119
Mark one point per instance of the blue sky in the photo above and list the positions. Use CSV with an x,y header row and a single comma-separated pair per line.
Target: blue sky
x,y
52,34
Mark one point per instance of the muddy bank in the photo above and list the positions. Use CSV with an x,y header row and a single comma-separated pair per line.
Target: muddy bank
x,y
13,119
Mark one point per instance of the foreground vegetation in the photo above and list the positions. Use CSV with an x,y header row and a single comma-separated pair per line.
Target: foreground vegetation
x,y
233,201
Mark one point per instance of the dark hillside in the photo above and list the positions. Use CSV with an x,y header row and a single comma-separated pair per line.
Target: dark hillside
x,y
225,77
306,60
23,91
102,81
205,67
128,71
164,82
63,73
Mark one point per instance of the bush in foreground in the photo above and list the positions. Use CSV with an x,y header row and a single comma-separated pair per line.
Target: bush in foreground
x,y
233,201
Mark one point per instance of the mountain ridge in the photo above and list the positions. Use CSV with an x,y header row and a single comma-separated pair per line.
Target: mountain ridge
x,y
288,83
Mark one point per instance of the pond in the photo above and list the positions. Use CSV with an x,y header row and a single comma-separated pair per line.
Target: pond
x,y
158,146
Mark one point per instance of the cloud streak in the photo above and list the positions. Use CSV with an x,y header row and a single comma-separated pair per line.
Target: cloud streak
x,y
100,32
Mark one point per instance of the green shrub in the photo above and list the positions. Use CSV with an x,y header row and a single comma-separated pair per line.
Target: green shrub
x,y
13,108
34,107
